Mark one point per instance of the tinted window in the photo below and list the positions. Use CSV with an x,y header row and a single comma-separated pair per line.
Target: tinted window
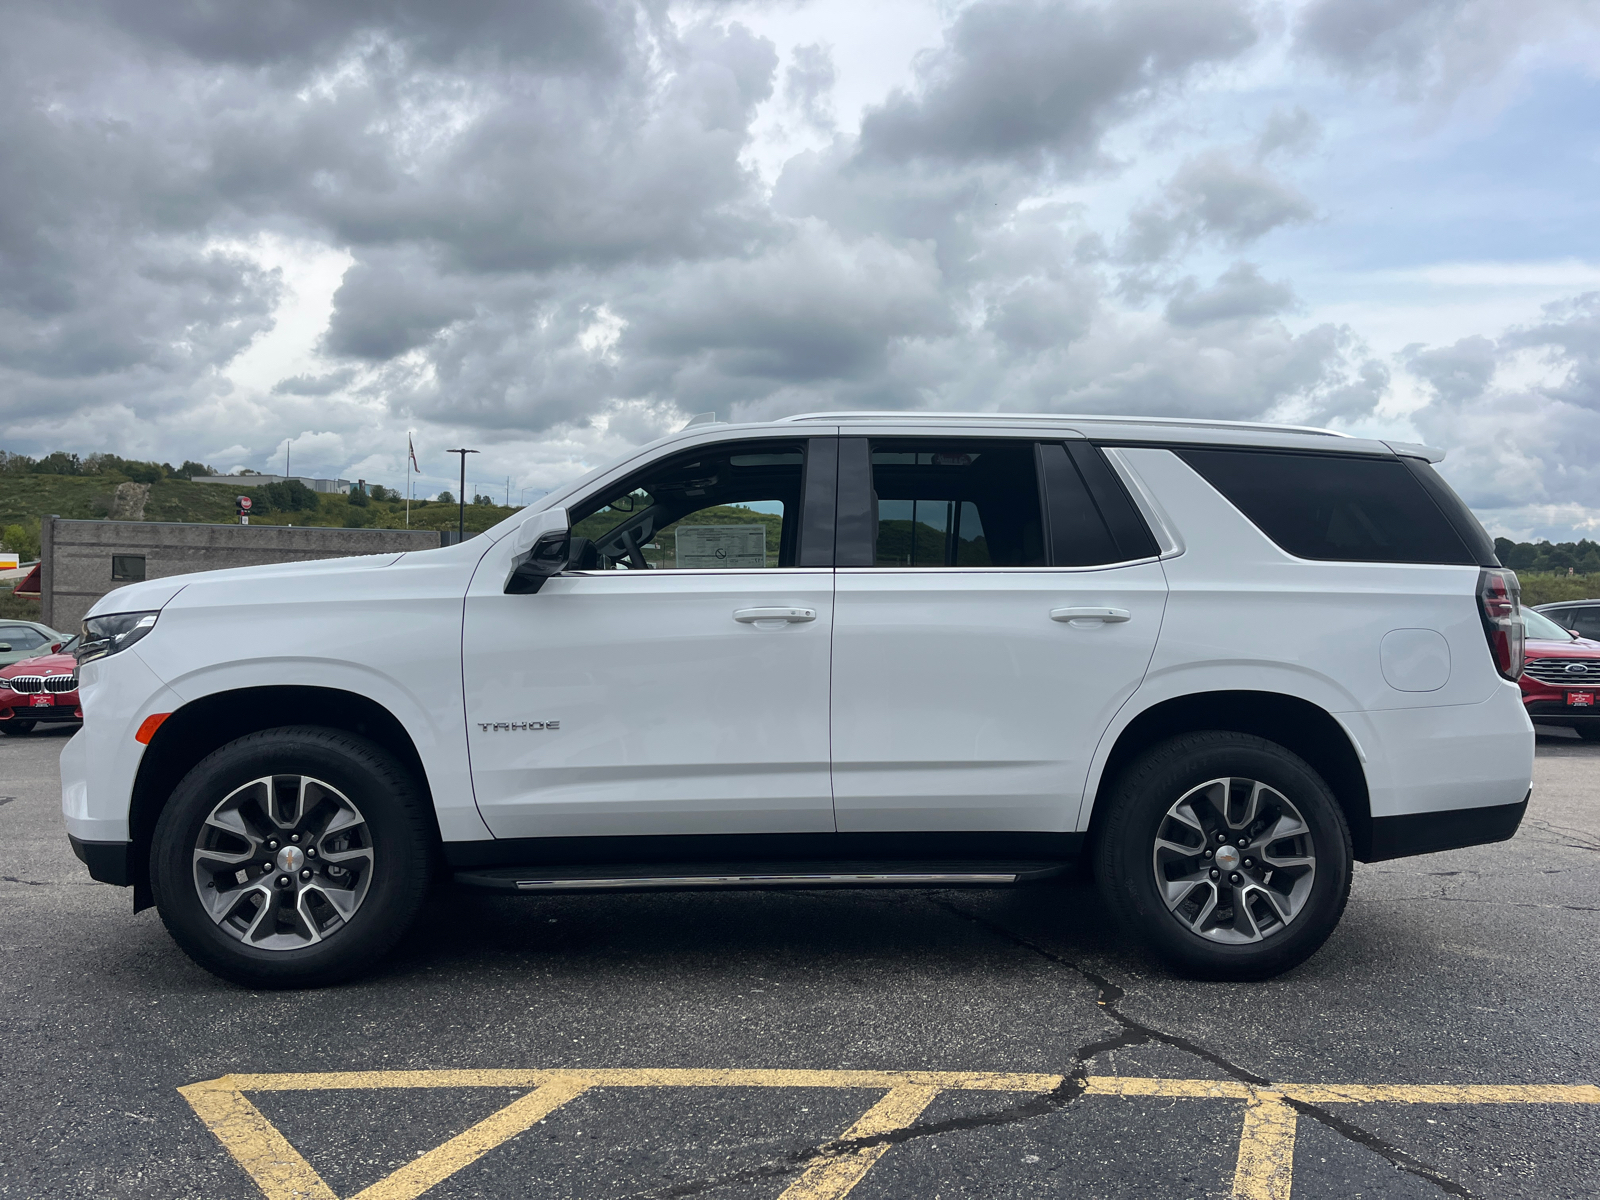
x,y
20,637
1090,518
127,566
734,506
1585,620
956,503
1339,507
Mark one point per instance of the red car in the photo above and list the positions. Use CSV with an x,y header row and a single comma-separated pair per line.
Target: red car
x,y
1561,677
38,689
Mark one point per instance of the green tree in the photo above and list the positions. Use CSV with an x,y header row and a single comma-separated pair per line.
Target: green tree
x,y
289,496
447,498
58,463
23,539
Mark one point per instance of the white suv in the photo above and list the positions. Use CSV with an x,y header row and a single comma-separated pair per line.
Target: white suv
x,y
1218,662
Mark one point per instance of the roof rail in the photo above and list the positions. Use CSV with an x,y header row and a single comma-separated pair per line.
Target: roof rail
x,y
1109,418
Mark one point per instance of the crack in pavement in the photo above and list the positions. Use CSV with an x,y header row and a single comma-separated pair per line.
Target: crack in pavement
x,y
1136,1033
1075,1082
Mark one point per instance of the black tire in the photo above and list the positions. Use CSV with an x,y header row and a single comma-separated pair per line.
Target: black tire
x,y
16,728
1589,733
396,825
1125,855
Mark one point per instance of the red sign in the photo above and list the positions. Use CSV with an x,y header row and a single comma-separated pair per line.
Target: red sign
x,y
41,701
1580,699
244,503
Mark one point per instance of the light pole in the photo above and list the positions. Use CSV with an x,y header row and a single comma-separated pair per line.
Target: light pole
x,y
461,497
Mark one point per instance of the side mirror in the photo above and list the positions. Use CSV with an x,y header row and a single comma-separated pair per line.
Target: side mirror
x,y
5,647
56,647
540,548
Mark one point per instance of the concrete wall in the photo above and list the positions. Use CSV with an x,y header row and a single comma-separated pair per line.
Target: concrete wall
x,y
77,554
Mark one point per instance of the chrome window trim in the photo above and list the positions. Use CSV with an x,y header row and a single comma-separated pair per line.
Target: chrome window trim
x,y
758,571
1168,539
1074,570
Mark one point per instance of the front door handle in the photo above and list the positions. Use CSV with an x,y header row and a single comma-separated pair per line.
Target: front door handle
x,y
1102,616
760,616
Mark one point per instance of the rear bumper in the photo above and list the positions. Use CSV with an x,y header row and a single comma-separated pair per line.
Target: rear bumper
x,y
109,862
1451,829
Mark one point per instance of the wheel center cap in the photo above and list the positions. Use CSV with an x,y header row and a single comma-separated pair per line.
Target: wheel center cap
x,y
1227,857
292,858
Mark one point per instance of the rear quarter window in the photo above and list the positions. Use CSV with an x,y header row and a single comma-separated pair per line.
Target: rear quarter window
x,y
1341,508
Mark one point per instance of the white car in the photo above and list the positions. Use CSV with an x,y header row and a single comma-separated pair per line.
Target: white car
x,y
1221,662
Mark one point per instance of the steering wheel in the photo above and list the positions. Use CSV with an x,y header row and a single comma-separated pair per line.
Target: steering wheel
x,y
635,555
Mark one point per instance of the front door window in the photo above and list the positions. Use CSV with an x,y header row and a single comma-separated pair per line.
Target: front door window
x,y
719,508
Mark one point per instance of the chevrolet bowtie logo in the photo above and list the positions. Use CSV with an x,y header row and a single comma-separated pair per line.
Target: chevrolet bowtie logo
x,y
506,726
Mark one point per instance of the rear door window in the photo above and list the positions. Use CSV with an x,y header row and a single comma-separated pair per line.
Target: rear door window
x,y
1338,507
956,503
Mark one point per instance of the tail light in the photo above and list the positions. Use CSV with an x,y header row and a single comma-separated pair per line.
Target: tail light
x,y
1500,603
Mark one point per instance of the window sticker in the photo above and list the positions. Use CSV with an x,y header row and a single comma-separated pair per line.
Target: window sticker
x,y
700,547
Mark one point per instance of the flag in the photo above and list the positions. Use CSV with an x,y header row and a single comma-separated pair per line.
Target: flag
x,y
412,451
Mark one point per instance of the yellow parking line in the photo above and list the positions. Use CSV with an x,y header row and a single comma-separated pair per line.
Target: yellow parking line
x,y
831,1178
255,1143
1263,1171
1265,1168
982,1081
1184,1089
417,1176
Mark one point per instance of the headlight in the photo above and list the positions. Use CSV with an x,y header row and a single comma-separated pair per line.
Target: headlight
x,y
109,634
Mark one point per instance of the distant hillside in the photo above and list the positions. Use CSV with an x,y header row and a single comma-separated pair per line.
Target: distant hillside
x,y
24,498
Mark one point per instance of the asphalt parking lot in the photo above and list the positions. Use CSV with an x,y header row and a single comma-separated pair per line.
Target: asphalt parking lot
x,y
808,1044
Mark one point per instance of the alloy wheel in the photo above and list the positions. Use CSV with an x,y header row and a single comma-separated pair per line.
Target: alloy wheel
x,y
283,862
1234,860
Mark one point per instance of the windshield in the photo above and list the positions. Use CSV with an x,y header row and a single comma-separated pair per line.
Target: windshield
x,y
1543,628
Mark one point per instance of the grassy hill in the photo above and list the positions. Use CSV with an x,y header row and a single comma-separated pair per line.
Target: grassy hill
x,y
26,498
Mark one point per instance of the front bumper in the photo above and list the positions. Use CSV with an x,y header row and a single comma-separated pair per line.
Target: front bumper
x,y
108,862
20,710
1559,712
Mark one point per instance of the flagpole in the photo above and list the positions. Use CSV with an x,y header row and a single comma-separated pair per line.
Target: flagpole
x,y
408,479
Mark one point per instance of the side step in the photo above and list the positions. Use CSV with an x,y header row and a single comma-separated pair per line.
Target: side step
x,y
651,877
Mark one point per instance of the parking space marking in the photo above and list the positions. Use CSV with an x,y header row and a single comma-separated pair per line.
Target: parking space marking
x,y
1264,1169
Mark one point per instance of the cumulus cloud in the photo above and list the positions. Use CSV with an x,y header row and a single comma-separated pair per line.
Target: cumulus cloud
x,y
1437,47
1240,293
808,84
556,236
1021,79
1212,196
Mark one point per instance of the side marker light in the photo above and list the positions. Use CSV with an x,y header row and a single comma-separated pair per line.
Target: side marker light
x,y
148,727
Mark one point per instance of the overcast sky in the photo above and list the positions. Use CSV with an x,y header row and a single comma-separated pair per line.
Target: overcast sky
x,y
554,229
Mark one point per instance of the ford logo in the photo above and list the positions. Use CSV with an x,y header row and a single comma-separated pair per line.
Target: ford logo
x,y
1577,669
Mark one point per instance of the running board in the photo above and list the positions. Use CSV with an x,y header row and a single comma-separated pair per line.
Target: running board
x,y
675,876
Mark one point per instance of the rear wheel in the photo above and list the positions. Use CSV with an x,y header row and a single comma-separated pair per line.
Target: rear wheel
x,y
17,728
1227,854
290,858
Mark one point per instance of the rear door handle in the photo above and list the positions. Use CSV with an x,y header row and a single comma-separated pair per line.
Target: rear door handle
x,y
756,616
1105,616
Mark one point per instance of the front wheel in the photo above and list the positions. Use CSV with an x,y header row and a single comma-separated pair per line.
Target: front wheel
x,y
1589,733
1227,854
292,857
16,728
